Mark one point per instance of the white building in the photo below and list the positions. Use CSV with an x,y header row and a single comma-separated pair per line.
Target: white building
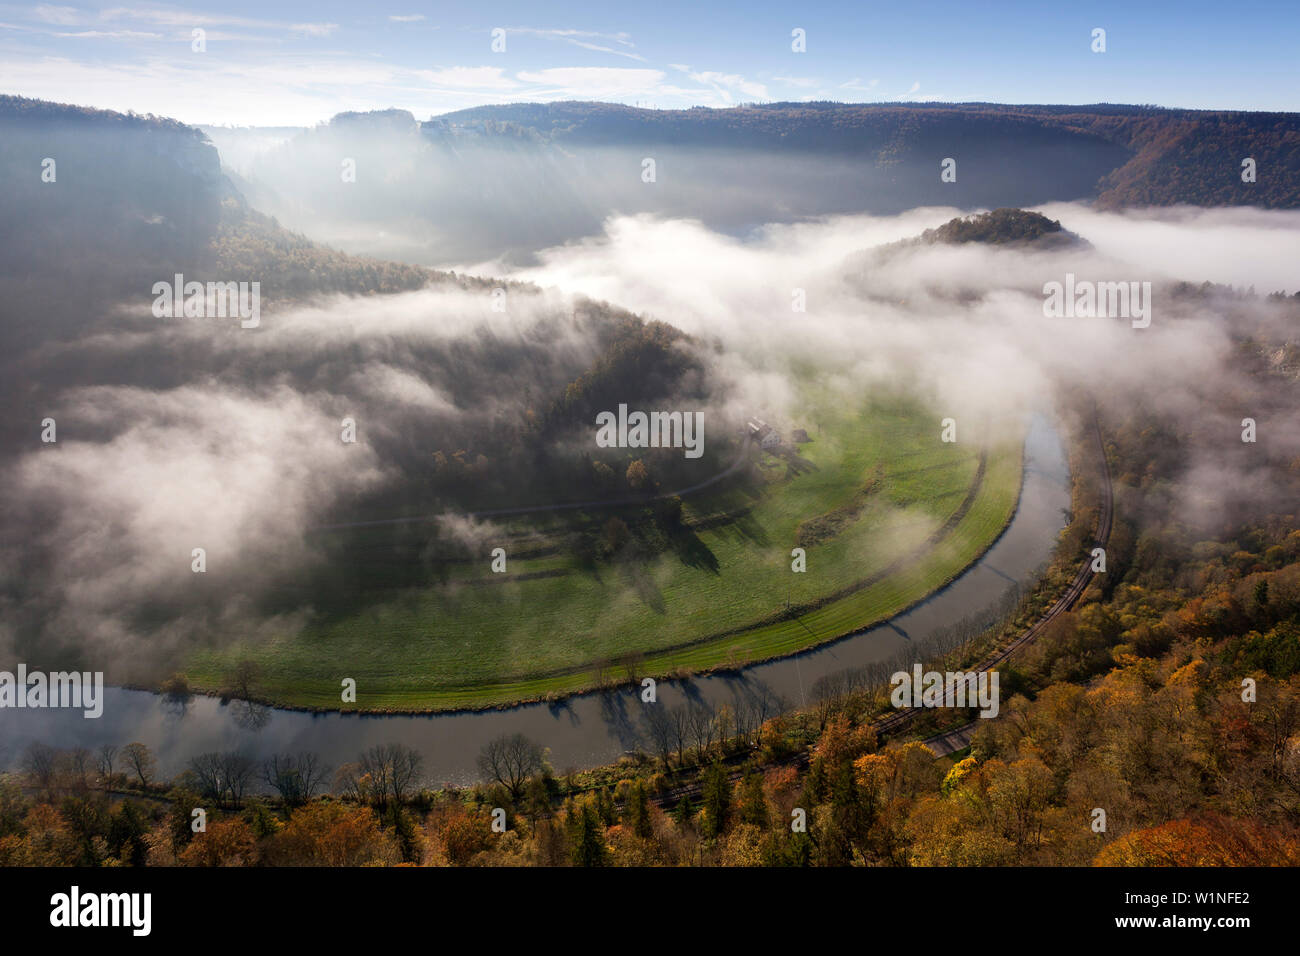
x,y
763,433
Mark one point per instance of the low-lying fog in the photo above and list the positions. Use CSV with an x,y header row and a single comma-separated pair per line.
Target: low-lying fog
x,y
177,434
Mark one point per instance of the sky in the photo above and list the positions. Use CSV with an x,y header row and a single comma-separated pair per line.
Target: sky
x,y
299,63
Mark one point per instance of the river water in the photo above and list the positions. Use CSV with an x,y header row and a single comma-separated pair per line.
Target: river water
x,y
583,731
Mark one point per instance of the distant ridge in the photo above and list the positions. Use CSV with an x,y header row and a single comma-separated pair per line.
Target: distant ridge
x,y
1157,156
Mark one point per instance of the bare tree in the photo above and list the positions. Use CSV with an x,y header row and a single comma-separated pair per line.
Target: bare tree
x,y
107,757
349,785
681,731
394,769
207,772
79,765
743,716
702,725
296,777
510,760
223,775
138,758
659,727
725,723
829,692
40,761
237,771
244,681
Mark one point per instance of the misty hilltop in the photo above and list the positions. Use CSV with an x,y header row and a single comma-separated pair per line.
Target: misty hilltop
x,y
1003,227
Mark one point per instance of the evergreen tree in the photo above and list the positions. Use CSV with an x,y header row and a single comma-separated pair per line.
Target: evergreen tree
x,y
716,797
637,812
684,814
605,807
588,842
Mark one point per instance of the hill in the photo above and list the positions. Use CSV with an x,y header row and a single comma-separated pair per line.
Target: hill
x,y
508,180
1157,157
1002,227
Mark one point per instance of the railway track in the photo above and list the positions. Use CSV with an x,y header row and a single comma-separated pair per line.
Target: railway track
x,y
897,721
894,722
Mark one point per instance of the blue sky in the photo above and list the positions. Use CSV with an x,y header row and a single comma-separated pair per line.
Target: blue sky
x,y
299,63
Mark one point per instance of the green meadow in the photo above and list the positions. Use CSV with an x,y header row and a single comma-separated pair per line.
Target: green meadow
x,y
892,513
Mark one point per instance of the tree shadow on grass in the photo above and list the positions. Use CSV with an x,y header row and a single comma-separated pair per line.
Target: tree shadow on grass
x,y
693,552
636,574
747,528
796,464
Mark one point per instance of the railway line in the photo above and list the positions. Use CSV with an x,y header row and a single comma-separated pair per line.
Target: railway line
x,y
896,722
892,723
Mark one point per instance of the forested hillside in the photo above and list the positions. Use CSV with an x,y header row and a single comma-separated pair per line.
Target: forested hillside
x,y
135,200
1141,155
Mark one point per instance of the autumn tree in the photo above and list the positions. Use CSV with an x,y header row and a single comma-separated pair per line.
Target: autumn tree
x,y
1206,840
510,760
331,834
614,534
638,476
464,834
227,842
753,802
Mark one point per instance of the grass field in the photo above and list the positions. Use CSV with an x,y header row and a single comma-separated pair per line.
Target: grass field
x,y
906,514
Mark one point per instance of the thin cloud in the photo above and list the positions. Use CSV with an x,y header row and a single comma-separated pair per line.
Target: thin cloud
x,y
61,16
584,39
314,29
112,35
186,18
725,84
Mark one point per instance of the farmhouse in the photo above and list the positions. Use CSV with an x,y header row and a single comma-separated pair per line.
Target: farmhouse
x,y
763,433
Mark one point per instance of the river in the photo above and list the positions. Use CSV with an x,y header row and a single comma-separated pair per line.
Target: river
x,y
583,731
